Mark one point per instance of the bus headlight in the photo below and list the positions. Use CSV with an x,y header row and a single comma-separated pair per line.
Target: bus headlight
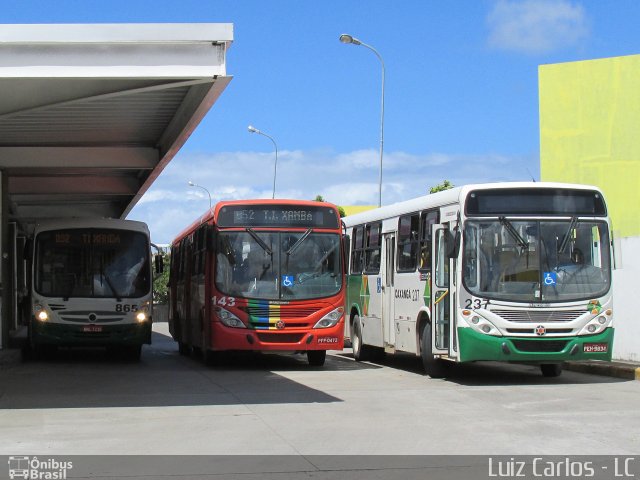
x,y
331,319
141,317
229,319
598,324
40,313
594,326
480,324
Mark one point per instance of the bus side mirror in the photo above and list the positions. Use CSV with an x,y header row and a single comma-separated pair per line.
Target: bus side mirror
x,y
456,245
345,252
452,244
27,253
159,263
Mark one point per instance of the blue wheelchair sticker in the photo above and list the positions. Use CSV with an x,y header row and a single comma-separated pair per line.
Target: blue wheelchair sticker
x,y
287,280
379,285
550,278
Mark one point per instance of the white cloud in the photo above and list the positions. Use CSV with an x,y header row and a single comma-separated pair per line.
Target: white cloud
x,y
350,178
536,26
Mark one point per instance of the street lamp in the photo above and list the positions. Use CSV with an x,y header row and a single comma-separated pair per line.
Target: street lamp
x,y
348,39
191,184
253,129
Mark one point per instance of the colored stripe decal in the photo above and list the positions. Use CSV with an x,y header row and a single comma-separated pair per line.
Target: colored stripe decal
x,y
261,322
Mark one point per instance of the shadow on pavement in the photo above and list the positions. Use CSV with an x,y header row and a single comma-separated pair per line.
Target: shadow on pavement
x,y
89,378
488,373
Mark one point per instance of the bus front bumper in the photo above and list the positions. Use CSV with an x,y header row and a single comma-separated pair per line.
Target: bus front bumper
x,y
47,333
474,346
227,338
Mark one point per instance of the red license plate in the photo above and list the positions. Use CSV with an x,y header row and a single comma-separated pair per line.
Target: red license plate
x,y
595,347
92,328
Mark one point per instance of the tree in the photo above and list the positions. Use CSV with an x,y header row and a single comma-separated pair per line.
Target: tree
x,y
160,290
320,198
445,185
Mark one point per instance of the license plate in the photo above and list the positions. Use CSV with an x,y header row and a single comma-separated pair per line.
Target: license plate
x,y
595,347
92,328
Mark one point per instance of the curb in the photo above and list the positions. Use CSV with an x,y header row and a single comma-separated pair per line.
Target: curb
x,y
626,371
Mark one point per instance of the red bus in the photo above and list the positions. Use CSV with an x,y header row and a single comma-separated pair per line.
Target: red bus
x,y
264,275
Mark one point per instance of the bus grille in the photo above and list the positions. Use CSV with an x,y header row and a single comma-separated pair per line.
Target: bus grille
x,y
532,331
280,337
539,316
284,311
83,316
547,346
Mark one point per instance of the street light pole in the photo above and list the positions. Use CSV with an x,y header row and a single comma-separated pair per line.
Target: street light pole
x,y
348,39
252,129
191,184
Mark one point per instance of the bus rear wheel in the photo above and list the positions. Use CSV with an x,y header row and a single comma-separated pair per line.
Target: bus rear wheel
x,y
316,358
551,369
433,367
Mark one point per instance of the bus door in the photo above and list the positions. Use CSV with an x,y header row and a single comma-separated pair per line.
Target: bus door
x,y
442,290
388,290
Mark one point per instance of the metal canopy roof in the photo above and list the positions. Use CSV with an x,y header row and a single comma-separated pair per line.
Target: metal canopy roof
x,y
91,114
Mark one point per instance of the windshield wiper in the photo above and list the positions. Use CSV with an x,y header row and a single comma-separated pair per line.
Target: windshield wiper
x,y
514,233
295,246
113,289
261,242
567,235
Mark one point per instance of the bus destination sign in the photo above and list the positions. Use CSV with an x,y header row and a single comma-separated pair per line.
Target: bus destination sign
x,y
277,216
86,237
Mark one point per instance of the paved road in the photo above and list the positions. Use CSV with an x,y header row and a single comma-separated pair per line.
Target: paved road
x,y
81,402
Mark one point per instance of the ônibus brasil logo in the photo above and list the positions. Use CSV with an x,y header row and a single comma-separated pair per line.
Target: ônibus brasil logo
x,y
33,468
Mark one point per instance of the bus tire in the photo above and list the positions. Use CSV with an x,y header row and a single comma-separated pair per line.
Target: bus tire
x,y
361,352
433,367
44,351
210,357
133,352
184,349
551,369
316,358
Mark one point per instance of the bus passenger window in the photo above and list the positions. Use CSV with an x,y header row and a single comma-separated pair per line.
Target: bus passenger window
x,y
357,251
408,228
372,250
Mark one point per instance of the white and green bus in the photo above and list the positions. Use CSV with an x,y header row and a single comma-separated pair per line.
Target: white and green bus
x,y
91,285
513,272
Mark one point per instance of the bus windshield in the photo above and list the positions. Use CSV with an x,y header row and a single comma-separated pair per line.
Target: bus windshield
x,y
100,263
536,261
278,265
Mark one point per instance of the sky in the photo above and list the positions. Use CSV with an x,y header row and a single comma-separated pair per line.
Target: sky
x,y
461,93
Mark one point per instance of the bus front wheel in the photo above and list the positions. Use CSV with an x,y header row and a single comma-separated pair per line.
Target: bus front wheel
x,y
184,349
433,367
133,352
360,351
551,369
316,358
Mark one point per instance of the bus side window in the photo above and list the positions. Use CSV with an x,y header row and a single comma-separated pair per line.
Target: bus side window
x,y
428,219
357,250
408,229
372,248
